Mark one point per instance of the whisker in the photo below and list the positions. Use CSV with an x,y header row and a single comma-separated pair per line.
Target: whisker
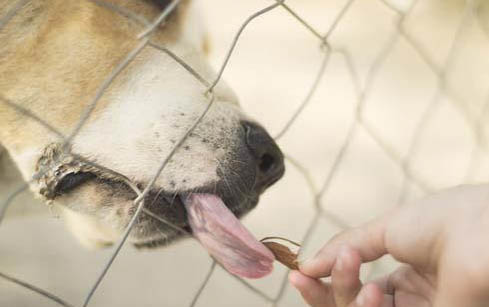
x,y
243,184
233,192
156,197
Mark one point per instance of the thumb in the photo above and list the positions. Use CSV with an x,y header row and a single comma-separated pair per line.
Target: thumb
x,y
367,240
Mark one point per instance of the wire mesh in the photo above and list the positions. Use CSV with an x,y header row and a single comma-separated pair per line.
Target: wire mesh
x,y
360,122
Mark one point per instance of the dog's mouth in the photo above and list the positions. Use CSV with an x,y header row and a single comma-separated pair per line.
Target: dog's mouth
x,y
212,219
206,217
208,213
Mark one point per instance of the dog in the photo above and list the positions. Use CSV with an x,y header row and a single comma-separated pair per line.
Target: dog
x,y
55,56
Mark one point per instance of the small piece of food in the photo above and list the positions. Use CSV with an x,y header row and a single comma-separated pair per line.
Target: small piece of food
x,y
282,253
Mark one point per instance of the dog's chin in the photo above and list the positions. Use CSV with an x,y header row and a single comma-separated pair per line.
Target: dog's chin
x,y
159,242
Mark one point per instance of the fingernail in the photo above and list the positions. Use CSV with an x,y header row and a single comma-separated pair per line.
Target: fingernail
x,y
362,297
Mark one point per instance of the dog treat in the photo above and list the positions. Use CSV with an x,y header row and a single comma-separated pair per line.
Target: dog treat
x,y
282,253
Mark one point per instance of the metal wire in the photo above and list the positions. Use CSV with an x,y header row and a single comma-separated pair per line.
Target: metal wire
x,y
35,289
358,123
139,201
236,38
12,12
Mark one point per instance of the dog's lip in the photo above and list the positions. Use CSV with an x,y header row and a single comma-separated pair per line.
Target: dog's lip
x,y
158,200
67,185
71,181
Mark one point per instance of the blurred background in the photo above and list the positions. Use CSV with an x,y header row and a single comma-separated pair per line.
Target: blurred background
x,y
399,111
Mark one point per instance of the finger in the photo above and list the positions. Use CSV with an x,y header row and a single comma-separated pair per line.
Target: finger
x,y
411,233
345,276
370,296
384,284
368,240
446,299
408,286
314,292
407,279
385,287
463,278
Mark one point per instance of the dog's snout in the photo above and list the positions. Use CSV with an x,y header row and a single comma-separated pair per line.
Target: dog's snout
x,y
269,158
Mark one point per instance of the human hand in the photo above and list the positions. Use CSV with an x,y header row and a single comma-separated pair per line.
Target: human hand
x,y
441,240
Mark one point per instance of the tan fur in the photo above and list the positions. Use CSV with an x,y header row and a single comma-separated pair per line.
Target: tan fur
x,y
37,71
57,53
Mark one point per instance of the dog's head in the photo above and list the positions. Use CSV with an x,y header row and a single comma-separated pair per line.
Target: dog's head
x,y
57,56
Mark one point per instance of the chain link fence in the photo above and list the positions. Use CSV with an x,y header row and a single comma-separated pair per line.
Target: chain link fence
x,y
404,154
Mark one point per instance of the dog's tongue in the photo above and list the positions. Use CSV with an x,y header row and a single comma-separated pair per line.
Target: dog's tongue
x,y
225,238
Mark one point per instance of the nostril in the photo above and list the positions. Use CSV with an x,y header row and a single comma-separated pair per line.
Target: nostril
x,y
269,159
267,163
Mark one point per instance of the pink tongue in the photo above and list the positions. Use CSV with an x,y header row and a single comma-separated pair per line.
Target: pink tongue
x,y
225,238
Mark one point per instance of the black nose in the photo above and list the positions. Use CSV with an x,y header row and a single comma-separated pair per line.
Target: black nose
x,y
269,158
